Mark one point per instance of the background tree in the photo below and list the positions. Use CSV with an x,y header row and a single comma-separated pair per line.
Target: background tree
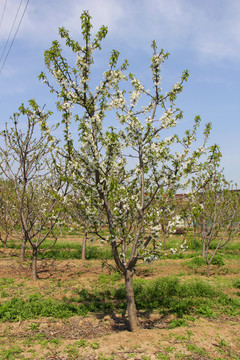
x,y
25,167
215,207
78,218
7,220
123,170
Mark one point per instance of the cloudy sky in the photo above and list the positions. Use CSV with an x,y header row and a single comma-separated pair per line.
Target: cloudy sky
x,y
202,36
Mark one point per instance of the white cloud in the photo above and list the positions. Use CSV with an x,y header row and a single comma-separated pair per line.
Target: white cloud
x,y
209,28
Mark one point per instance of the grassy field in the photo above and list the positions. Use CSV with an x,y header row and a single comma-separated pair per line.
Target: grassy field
x,y
76,310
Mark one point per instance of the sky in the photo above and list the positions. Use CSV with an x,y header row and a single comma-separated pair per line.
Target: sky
x,y
202,36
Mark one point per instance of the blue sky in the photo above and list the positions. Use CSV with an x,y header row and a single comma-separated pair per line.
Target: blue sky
x,y
202,36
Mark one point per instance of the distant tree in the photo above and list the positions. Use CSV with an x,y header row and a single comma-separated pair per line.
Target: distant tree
x,y
215,207
126,168
25,167
6,219
79,217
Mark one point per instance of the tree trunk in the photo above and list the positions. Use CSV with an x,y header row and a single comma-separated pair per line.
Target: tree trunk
x,y
131,306
195,233
84,242
208,269
23,250
34,265
203,249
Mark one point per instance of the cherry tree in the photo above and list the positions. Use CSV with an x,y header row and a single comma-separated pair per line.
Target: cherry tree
x,y
215,207
124,170
79,218
25,166
6,219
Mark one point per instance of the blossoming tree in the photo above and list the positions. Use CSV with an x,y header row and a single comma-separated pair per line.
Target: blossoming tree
x,y
24,165
126,168
215,207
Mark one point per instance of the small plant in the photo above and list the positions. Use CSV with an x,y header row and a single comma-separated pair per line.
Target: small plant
x,y
34,326
81,343
72,351
206,311
189,333
163,357
170,349
176,323
95,345
196,262
6,281
222,343
12,353
196,349
236,283
4,294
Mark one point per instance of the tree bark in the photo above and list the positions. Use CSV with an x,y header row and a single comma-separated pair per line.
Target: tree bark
x,y
84,242
131,306
203,248
23,250
34,265
208,269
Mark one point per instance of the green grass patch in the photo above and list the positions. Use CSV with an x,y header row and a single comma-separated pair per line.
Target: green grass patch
x,y
168,295
65,250
37,306
196,262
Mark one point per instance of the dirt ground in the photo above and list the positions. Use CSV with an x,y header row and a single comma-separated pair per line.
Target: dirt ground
x,y
106,337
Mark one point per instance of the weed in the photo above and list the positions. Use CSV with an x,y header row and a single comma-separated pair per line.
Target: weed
x,y
105,279
4,294
196,262
161,356
36,306
95,345
72,351
170,349
196,349
218,260
189,333
6,281
222,342
12,353
102,357
34,326
55,341
69,250
81,343
236,283
206,311
176,323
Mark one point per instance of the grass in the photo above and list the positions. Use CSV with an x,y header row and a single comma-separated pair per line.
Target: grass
x,y
68,250
35,306
167,295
